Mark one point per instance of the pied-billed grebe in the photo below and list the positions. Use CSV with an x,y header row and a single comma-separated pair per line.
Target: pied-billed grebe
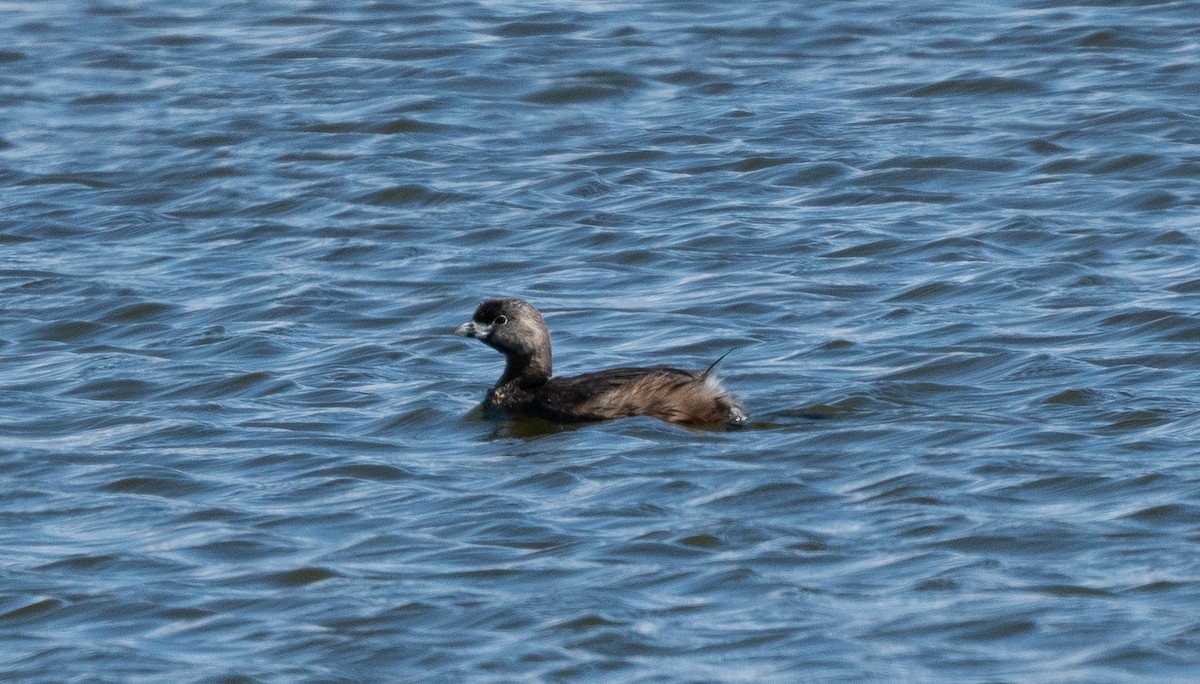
x,y
516,329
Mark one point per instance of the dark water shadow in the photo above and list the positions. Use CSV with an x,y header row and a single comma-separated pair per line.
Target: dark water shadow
x,y
507,427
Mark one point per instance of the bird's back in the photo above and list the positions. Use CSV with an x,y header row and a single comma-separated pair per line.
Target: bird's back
x,y
671,394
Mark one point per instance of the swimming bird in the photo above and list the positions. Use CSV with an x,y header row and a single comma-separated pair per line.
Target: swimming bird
x,y
528,389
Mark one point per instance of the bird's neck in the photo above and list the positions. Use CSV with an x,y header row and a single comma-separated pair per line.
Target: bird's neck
x,y
526,370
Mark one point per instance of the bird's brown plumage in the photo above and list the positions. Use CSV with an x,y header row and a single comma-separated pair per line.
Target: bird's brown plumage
x,y
527,388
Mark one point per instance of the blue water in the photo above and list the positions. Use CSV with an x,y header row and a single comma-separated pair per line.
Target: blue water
x,y
955,248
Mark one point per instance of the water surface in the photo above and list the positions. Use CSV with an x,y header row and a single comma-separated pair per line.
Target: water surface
x,y
953,245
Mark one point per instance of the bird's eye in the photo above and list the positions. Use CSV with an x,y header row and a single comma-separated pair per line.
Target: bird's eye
x,y
500,320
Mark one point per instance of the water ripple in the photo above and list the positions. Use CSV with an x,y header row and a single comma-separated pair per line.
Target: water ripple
x,y
953,253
